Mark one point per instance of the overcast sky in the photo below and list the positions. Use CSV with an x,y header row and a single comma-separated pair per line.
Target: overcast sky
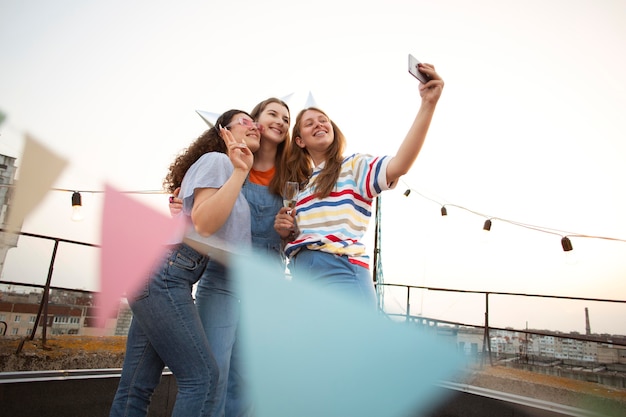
x,y
529,129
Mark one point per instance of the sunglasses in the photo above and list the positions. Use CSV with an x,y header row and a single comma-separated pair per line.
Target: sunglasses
x,y
246,123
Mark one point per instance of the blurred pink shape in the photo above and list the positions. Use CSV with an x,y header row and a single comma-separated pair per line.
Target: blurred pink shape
x,y
134,236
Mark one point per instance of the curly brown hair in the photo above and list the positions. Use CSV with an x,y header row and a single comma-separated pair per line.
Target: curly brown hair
x,y
209,141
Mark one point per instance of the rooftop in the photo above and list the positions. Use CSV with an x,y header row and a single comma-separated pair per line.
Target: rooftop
x,y
83,352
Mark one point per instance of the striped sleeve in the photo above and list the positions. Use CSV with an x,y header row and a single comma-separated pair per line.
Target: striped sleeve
x,y
338,223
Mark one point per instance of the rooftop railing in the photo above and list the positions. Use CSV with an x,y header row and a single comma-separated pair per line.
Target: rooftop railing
x,y
42,314
81,389
486,325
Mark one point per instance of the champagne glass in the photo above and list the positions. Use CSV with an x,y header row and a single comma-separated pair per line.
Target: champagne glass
x,y
290,194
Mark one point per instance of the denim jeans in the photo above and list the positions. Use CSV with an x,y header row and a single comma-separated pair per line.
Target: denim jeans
x,y
166,331
336,273
218,305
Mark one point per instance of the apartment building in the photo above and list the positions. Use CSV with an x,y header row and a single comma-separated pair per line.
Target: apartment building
x,y
67,312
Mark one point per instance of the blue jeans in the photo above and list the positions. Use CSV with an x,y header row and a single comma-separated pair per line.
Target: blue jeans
x,y
336,273
218,305
166,331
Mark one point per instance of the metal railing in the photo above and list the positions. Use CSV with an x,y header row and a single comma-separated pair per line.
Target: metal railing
x,y
43,305
486,325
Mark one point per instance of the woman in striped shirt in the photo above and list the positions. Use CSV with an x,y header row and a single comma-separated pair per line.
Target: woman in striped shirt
x,y
323,234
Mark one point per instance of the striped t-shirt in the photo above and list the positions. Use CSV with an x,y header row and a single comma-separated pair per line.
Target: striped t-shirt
x,y
337,224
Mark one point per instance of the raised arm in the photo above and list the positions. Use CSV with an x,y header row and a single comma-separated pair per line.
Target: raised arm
x,y
412,144
212,206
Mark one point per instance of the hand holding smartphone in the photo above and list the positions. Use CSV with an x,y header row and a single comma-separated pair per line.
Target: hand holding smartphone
x,y
423,78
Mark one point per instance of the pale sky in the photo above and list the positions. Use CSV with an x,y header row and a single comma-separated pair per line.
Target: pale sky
x,y
530,128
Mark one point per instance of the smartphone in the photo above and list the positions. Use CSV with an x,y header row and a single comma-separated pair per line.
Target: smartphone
x,y
423,78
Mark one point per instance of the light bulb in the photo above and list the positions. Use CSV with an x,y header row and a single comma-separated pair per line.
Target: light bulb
x,y
77,205
566,244
77,213
571,258
570,255
485,235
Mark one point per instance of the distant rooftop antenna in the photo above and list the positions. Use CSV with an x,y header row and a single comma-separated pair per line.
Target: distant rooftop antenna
x,y
587,325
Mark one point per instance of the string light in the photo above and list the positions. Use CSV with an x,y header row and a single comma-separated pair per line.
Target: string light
x,y
102,191
485,235
95,191
77,205
570,256
566,243
77,201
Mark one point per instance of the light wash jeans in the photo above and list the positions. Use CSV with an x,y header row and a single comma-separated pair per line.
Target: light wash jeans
x,y
335,273
219,304
166,331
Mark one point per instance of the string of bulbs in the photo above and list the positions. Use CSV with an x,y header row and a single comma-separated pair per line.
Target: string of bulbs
x,y
77,200
566,242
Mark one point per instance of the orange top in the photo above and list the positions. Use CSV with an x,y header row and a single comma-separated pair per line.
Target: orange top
x,y
262,177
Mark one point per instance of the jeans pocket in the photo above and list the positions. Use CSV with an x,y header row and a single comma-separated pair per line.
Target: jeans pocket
x,y
183,266
144,290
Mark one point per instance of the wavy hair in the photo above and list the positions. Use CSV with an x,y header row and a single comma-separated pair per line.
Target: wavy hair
x,y
209,141
299,164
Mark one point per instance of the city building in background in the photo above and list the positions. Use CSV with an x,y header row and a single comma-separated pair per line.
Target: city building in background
x,y
67,313
7,177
